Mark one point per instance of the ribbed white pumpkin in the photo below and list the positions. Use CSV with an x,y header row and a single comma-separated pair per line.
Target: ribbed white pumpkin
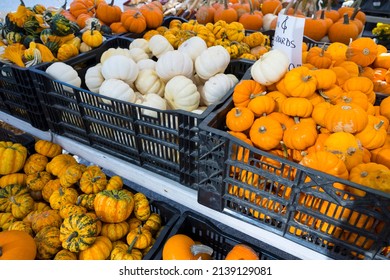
x,y
114,51
193,46
120,67
117,89
138,54
142,44
64,73
174,63
94,78
146,64
182,93
215,88
212,61
270,67
152,100
159,45
148,81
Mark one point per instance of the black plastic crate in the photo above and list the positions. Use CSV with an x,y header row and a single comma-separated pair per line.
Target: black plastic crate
x,y
19,97
61,103
221,240
165,144
23,138
278,195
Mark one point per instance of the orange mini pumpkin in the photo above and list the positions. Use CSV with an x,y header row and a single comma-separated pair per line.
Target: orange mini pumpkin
x,y
242,252
183,247
17,245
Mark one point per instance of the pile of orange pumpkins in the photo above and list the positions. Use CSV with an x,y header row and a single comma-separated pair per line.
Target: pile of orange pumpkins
x,y
53,207
334,25
324,114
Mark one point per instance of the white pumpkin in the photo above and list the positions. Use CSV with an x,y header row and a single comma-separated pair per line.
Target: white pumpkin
x,y
142,44
138,54
148,81
152,100
215,88
174,63
182,93
64,73
117,89
84,47
114,51
94,78
233,78
267,21
146,64
159,45
193,46
212,61
120,67
270,67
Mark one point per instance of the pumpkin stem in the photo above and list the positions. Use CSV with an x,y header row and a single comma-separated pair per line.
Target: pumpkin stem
x,y
364,174
379,125
356,3
71,236
346,20
201,249
296,119
131,245
1,251
95,179
112,3
262,129
253,95
225,4
284,149
238,112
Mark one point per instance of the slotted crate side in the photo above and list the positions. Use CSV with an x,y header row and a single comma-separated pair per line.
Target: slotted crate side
x,y
220,239
60,101
296,202
19,97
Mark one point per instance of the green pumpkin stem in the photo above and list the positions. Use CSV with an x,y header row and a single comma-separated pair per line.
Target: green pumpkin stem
x,y
379,125
131,245
71,236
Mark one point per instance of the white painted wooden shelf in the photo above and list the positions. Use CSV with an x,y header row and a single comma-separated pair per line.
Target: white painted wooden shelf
x,y
165,187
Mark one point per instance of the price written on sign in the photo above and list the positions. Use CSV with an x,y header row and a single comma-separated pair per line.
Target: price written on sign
x,y
288,38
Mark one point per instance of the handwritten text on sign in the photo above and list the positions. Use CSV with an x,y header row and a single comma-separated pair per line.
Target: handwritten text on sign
x,y
288,38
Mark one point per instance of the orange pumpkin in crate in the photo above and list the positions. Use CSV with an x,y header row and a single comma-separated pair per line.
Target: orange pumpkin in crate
x,y
17,245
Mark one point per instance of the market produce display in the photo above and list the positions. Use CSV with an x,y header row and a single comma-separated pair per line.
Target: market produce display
x,y
53,207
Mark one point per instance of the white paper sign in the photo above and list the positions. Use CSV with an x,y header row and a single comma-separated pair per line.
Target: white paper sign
x,y
288,38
